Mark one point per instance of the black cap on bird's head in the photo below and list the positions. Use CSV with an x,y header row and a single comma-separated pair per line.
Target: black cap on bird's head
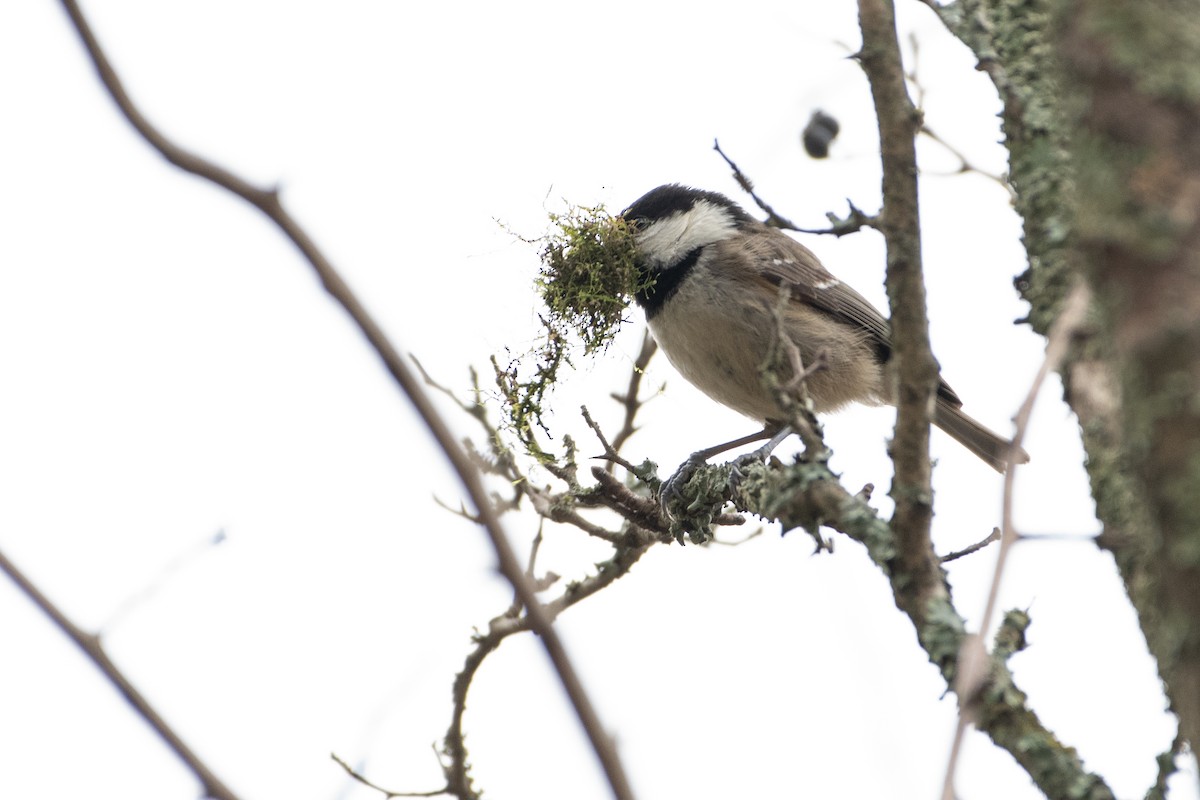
x,y
672,227
674,198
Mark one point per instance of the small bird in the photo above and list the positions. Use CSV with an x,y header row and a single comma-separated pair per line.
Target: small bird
x,y
713,309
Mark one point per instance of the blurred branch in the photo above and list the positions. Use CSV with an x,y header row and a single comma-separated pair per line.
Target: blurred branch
x,y
1166,768
1134,123
1088,208
972,673
994,536
267,201
965,164
387,793
91,646
151,588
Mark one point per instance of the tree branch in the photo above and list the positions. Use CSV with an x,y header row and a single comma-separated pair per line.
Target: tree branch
x,y
630,400
809,495
854,221
912,358
972,673
1130,141
267,201
91,646
1131,70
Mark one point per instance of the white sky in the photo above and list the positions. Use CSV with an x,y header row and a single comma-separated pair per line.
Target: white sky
x,y
171,369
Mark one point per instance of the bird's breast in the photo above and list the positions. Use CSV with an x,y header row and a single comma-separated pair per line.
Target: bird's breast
x,y
719,334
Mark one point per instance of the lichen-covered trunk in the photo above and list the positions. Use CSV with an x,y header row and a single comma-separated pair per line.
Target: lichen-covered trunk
x,y
1133,70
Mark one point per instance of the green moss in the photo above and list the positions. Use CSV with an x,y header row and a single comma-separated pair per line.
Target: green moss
x,y
588,277
589,274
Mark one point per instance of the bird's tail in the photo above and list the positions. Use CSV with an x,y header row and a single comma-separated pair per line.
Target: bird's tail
x,y
983,442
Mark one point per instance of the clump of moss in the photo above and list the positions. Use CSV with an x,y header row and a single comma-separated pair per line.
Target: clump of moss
x,y
589,274
588,277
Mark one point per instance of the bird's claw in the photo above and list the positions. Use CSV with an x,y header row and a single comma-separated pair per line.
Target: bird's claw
x,y
671,490
737,475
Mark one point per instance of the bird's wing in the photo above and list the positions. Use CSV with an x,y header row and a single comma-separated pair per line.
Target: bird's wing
x,y
782,261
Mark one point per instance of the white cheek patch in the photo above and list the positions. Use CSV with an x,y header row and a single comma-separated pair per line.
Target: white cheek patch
x,y
668,240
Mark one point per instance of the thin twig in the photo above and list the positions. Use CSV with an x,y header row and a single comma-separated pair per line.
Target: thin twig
x,y
633,404
503,461
774,219
458,773
560,508
610,452
267,201
793,397
973,671
387,793
855,220
515,608
754,534
994,536
152,587
965,164
90,644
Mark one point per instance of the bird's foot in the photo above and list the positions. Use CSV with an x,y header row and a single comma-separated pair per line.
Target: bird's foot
x,y
692,499
670,493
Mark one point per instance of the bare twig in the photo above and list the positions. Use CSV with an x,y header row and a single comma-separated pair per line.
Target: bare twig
x,y
267,201
972,673
150,589
91,646
774,219
458,771
645,512
387,793
994,536
633,404
965,164
793,397
754,534
855,220
610,452
502,461
475,410
539,585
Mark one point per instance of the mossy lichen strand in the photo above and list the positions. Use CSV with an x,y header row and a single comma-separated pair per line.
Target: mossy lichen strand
x,y
588,277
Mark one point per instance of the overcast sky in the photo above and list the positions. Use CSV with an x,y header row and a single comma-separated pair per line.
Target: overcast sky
x,y
171,369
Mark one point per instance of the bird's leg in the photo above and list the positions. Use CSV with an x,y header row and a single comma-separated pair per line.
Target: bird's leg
x,y
672,487
763,452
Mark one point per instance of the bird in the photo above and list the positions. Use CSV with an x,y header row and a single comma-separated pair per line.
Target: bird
x,y
714,305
